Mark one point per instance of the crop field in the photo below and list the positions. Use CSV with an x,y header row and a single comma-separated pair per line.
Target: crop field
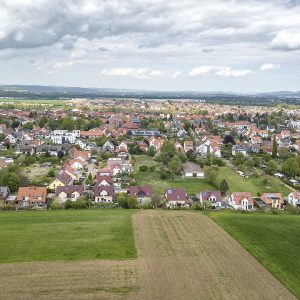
x,y
274,240
66,235
185,255
180,255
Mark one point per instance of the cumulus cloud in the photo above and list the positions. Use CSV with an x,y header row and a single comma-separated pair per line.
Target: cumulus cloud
x,y
229,72
203,70
142,73
267,67
286,40
219,71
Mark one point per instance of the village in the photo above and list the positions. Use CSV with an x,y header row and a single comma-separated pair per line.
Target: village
x,y
132,153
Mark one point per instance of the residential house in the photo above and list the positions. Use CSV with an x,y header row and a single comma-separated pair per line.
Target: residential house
x,y
62,179
214,197
144,133
104,194
70,192
108,146
142,193
176,197
4,192
104,180
32,196
188,146
156,143
241,200
103,172
256,139
294,198
272,200
238,149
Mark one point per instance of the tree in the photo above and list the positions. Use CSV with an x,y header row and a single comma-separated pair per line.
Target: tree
x,y
274,148
167,151
291,166
211,175
271,167
156,200
51,173
223,187
206,204
175,165
60,154
15,124
229,139
239,159
187,125
11,180
67,124
42,122
131,202
28,126
126,201
121,199
151,151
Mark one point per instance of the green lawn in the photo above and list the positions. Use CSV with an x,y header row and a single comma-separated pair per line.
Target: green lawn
x,y
192,185
253,185
274,240
66,235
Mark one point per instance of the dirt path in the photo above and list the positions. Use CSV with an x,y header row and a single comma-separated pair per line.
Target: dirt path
x,y
185,255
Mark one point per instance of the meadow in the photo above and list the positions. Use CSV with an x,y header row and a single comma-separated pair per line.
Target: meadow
x,y
254,185
236,183
274,240
66,235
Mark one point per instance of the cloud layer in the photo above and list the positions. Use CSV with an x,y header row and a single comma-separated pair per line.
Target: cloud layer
x,y
180,40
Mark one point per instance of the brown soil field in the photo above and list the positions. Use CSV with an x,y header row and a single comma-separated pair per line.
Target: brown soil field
x,y
181,255
185,255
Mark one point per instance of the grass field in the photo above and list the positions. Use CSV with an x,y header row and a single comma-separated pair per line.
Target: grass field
x,y
274,240
253,185
66,235
192,185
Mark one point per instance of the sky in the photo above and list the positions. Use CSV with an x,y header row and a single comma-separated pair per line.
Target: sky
x,y
196,45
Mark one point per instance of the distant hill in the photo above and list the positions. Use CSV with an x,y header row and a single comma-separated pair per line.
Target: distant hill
x,y
62,92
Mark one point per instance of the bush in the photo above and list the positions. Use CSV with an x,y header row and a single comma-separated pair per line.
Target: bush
x,y
292,209
126,201
80,203
55,204
51,173
143,168
152,168
68,204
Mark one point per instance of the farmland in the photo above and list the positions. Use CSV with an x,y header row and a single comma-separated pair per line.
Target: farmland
x,y
184,247
274,240
66,235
